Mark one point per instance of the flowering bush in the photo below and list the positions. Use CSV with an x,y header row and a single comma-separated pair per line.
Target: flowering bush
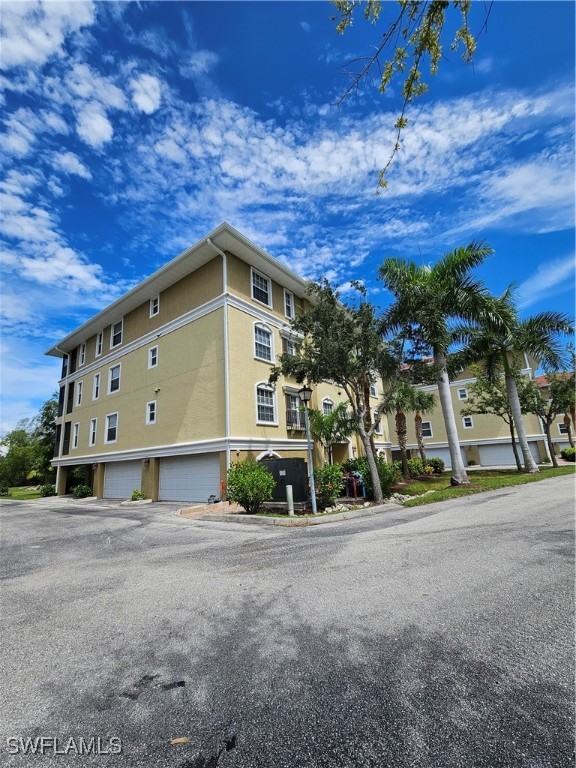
x,y
329,482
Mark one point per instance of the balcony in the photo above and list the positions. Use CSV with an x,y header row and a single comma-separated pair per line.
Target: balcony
x,y
295,420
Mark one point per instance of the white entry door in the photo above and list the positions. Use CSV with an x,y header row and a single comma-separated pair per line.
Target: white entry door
x,y
121,478
189,478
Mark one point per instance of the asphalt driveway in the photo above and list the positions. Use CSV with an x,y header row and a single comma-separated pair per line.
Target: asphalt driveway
x,y
434,636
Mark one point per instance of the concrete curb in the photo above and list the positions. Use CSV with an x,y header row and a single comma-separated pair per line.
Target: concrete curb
x,y
300,522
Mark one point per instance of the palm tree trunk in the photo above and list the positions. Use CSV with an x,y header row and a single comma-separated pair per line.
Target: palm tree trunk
x,y
375,477
514,402
459,475
401,432
514,447
419,437
568,425
547,425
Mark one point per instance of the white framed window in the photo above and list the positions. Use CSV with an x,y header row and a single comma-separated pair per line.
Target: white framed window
x,y
562,429
99,343
262,342
153,357
79,390
151,412
261,288
289,304
462,393
111,434
265,404
114,379
154,306
116,333
82,354
75,434
93,432
288,346
327,406
427,429
96,387
373,389
467,422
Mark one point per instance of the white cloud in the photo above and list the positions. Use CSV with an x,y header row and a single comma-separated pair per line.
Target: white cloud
x,y
70,163
93,126
306,27
550,278
32,32
146,93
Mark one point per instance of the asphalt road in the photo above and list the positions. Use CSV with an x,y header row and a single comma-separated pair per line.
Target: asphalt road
x,y
434,636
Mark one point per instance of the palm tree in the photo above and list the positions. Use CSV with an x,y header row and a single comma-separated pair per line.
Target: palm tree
x,y
400,400
427,299
423,402
501,344
332,427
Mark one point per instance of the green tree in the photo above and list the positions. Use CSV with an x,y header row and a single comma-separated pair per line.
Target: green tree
x,y
548,402
412,38
17,460
331,428
490,398
428,299
501,346
343,344
423,402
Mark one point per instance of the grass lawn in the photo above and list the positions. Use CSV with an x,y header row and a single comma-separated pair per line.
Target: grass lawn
x,y
23,493
482,480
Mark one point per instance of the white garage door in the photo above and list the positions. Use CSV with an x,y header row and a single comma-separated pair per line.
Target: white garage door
x,y
503,455
444,454
121,478
189,478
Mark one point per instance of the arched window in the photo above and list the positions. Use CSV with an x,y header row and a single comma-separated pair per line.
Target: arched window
x,y
327,406
265,404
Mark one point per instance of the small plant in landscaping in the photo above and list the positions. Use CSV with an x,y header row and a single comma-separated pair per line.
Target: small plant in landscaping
x,y
4,490
568,454
389,475
47,490
81,491
137,495
428,470
329,482
250,485
471,463
436,463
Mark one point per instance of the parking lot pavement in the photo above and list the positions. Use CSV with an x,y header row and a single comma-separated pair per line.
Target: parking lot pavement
x,y
436,637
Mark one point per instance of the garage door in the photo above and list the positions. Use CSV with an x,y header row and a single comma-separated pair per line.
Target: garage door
x,y
503,455
121,478
444,454
189,478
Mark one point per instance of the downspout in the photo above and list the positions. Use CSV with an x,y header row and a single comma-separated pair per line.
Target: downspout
x,y
226,351
61,441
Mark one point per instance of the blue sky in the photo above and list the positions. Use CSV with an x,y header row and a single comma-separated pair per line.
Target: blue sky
x,y
130,130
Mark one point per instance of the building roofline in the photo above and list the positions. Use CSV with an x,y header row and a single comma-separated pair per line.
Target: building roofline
x,y
192,258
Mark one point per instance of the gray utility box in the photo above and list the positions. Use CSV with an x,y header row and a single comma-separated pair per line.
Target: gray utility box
x,y
292,472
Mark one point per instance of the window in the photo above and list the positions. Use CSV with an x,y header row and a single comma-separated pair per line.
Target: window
x,y
265,404
111,428
99,344
261,288
116,333
289,347
563,429
114,379
327,406
151,412
152,357
378,422
467,422
154,306
262,343
294,416
96,387
463,394
75,433
426,429
82,355
289,304
93,430
373,389
79,388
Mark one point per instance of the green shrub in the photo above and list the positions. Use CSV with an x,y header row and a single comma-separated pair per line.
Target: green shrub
x,y
4,490
471,463
388,474
47,490
436,463
329,482
568,454
137,495
415,468
81,491
250,485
